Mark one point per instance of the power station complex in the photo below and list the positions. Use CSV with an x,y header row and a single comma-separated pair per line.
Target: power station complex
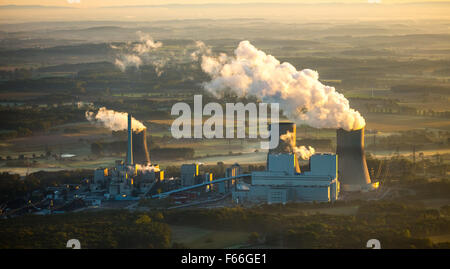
x,y
281,182
133,178
327,174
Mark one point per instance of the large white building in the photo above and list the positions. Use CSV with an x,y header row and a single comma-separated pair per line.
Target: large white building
x,y
281,182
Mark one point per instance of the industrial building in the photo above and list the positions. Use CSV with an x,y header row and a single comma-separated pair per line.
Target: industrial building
x,y
130,179
226,186
189,174
283,181
280,183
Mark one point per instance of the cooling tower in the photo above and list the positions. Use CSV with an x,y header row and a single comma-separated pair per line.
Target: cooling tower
x,y
130,142
140,150
285,146
352,166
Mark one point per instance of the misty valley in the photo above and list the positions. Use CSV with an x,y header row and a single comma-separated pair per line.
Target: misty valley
x,y
76,92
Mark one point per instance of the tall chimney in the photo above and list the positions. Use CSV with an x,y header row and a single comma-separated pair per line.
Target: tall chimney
x,y
352,166
130,141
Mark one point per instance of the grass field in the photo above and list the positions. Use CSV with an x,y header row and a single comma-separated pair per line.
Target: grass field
x,y
343,210
202,238
393,123
440,238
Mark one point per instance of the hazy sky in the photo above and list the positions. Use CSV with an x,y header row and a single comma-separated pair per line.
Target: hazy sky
x,y
86,10
97,3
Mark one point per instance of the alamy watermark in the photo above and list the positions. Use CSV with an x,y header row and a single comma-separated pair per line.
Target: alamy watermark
x,y
73,244
257,121
373,244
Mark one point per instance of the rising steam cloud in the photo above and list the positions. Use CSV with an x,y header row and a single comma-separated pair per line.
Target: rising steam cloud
x,y
113,120
135,54
303,152
146,44
127,60
301,95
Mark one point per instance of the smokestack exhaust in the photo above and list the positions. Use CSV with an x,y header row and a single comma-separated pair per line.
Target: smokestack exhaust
x,y
352,166
130,141
285,146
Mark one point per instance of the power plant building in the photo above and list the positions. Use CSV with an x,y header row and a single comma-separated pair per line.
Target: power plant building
x,y
135,176
189,174
226,186
281,183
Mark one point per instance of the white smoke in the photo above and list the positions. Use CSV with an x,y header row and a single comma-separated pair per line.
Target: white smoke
x,y
201,49
146,44
113,120
148,168
303,152
159,66
301,95
127,60
135,54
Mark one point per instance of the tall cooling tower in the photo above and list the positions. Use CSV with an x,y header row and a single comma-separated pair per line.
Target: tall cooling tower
x,y
285,147
352,166
140,150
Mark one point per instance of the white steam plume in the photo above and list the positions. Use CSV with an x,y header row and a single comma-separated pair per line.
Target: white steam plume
x,y
301,95
135,54
146,44
303,152
127,60
148,168
202,49
113,120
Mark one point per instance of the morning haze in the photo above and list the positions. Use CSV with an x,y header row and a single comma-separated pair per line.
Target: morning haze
x,y
89,92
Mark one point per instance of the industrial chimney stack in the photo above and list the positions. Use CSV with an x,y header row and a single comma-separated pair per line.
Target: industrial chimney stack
x,y
130,141
352,166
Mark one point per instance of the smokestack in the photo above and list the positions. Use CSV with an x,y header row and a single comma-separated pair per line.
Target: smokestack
x,y
140,150
130,141
285,146
352,166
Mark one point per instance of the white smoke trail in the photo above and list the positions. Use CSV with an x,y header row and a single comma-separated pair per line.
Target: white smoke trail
x,y
127,60
202,49
113,120
135,54
301,95
303,152
159,66
148,168
146,44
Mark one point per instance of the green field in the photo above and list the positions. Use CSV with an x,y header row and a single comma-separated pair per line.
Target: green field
x,y
198,238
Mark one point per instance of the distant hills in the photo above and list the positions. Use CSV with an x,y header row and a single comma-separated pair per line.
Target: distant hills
x,y
30,7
